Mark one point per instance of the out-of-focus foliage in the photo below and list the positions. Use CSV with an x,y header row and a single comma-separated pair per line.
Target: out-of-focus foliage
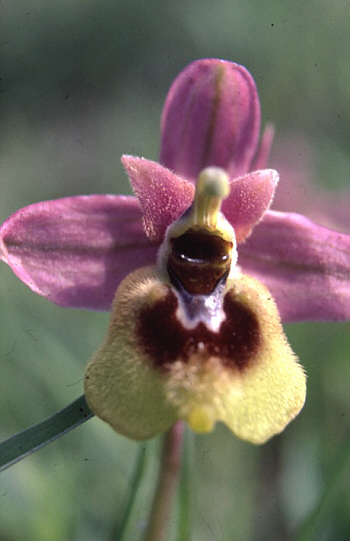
x,y
82,83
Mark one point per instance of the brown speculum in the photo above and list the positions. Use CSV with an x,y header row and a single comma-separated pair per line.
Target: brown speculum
x,y
199,260
164,338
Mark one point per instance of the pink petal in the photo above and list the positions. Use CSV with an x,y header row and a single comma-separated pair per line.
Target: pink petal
x,y
305,266
76,250
163,195
211,116
250,197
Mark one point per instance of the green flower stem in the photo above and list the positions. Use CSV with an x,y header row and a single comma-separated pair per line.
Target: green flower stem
x,y
167,483
33,438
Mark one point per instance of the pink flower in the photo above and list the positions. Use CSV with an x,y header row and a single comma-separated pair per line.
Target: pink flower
x,y
193,335
75,251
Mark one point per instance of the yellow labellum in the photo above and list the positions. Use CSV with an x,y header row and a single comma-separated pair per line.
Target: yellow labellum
x,y
127,385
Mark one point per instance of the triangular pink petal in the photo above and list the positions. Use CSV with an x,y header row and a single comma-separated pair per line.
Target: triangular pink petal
x,y
75,251
305,266
250,197
163,195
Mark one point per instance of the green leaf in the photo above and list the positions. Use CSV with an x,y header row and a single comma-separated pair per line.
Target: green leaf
x,y
33,438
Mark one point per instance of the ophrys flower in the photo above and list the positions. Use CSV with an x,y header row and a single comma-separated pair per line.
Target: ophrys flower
x,y
193,338
175,347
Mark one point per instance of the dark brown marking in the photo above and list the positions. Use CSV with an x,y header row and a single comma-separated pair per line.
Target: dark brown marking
x,y
164,340
199,260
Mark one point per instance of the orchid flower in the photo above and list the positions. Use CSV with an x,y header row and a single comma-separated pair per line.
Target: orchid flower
x,y
193,263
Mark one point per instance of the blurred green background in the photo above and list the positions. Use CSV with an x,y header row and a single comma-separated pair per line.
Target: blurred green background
x,y
82,83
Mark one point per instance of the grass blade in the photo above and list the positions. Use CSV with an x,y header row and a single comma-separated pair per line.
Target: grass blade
x,y
33,438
